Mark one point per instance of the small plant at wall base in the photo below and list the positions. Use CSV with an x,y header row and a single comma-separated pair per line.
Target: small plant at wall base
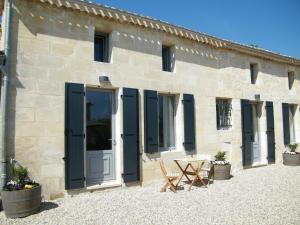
x,y
220,158
291,157
21,196
20,179
292,148
221,167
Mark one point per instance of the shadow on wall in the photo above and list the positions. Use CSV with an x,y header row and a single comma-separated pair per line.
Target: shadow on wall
x,y
68,24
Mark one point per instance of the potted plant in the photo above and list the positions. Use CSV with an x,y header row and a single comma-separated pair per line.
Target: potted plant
x,y
221,167
21,196
291,157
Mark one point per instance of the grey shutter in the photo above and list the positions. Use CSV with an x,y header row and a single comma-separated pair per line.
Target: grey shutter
x,y
247,132
74,136
151,121
189,122
130,134
270,132
286,123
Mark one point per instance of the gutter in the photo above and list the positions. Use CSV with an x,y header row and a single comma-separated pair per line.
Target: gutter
x,y
4,101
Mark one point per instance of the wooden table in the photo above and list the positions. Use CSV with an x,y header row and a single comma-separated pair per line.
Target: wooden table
x,y
189,169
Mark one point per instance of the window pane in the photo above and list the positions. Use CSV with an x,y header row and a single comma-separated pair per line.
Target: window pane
x,y
171,122
166,122
160,121
291,78
101,48
223,113
166,58
253,73
98,120
292,125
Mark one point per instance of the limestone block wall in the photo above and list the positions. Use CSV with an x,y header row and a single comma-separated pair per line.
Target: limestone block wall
x,y
52,46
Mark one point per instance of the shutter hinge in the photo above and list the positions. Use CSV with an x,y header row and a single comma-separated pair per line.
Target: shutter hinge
x,y
79,92
125,174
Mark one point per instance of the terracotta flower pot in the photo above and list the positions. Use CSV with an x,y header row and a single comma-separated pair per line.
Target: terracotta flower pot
x,y
291,159
222,172
21,203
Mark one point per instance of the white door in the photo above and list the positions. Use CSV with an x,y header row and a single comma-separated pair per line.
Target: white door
x,y
100,153
255,136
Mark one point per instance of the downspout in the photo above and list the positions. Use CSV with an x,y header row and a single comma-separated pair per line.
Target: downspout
x,y
4,70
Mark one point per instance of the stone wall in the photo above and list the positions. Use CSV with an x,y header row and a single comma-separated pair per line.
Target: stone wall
x,y
51,46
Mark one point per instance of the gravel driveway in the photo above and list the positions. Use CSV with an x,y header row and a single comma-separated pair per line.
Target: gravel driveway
x,y
265,195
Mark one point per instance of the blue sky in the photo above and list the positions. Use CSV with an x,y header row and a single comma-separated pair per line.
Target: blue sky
x,y
270,24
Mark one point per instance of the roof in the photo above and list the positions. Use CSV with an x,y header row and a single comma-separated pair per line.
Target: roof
x,y
122,16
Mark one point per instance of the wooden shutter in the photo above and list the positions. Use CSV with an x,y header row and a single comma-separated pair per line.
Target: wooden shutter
x,y
189,122
151,121
74,136
270,132
130,134
286,123
247,131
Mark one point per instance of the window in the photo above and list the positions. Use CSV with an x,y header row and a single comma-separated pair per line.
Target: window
x,y
101,47
223,107
291,78
253,72
166,122
166,58
292,123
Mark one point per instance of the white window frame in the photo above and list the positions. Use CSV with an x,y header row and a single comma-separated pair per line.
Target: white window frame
x,y
292,111
168,148
229,100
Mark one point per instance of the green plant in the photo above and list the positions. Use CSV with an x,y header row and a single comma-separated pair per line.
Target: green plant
x,y
18,173
293,147
220,156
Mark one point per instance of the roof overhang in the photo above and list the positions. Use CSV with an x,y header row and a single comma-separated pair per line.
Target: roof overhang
x,y
121,16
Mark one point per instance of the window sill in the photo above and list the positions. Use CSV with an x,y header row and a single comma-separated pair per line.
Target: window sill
x,y
109,184
229,129
170,151
103,62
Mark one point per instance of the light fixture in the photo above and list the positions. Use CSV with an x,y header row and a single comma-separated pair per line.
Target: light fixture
x,y
257,97
103,79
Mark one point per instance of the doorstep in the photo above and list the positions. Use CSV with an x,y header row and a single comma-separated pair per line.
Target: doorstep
x,y
254,165
109,184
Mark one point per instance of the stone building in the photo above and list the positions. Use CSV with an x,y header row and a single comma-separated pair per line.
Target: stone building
x,y
98,95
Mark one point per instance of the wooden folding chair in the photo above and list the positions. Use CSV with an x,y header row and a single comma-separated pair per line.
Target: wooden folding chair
x,y
207,171
203,173
169,178
195,173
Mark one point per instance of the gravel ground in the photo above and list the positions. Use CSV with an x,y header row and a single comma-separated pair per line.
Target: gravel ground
x,y
265,195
